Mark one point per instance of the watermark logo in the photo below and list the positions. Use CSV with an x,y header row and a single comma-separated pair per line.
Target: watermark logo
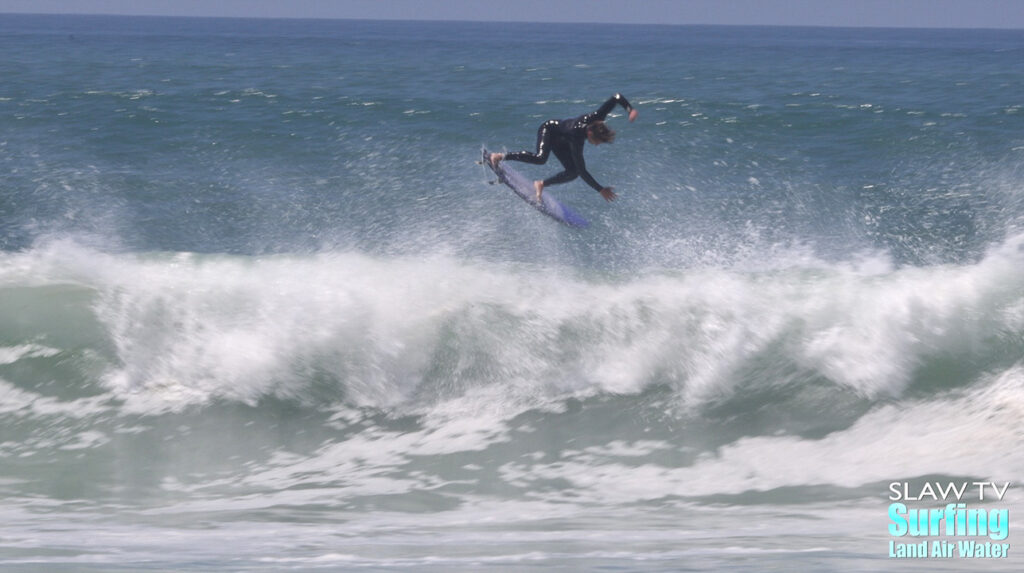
x,y
951,520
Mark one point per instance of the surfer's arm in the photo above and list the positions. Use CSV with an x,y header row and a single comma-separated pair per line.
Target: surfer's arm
x,y
606,108
580,166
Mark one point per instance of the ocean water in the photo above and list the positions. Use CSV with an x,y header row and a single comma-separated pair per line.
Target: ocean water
x,y
261,311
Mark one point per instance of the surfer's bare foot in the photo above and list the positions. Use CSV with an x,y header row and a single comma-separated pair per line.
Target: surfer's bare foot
x,y
539,186
496,158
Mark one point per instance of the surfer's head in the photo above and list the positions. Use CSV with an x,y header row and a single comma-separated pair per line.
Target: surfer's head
x,y
598,133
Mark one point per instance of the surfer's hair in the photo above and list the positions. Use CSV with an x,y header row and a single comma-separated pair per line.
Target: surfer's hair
x,y
601,132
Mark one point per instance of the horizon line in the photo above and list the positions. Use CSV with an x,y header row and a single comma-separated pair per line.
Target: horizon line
x,y
475,21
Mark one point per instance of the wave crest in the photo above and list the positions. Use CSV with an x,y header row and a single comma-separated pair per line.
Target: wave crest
x,y
184,329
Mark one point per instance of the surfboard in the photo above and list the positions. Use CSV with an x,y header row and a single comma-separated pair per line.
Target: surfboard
x,y
523,188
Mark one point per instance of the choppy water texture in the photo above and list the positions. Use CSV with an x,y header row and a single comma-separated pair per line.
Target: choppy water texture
x,y
260,310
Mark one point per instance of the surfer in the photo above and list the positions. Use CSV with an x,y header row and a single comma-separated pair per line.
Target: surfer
x,y
565,138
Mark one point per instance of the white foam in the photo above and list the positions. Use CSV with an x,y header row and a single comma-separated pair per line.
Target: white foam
x,y
12,354
19,402
386,332
973,434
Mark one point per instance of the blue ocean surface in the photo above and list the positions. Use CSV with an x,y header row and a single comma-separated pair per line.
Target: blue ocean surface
x,y
261,311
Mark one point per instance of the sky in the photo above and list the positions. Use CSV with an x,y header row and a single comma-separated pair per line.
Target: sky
x,y
853,13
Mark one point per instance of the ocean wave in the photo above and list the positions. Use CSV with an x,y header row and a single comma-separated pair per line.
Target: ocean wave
x,y
176,330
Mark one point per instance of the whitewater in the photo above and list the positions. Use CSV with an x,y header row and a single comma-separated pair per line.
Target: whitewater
x,y
260,310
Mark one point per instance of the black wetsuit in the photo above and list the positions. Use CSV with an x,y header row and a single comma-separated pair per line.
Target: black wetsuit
x,y
565,138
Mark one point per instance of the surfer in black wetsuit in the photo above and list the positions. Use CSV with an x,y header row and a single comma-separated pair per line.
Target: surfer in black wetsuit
x,y
565,138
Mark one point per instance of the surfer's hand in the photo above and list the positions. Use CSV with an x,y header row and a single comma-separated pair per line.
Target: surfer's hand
x,y
632,114
608,194
539,186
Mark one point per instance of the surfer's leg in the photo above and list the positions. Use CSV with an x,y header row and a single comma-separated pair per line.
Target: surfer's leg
x,y
545,135
564,155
